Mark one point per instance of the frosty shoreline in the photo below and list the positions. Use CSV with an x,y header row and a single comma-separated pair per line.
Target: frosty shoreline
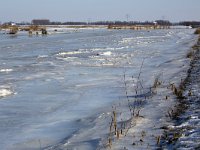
x,y
185,133
143,129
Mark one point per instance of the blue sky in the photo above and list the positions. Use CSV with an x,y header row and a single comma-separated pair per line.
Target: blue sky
x,y
95,10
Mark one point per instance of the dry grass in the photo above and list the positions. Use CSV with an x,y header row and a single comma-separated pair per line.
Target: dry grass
x,y
13,30
190,54
197,31
195,47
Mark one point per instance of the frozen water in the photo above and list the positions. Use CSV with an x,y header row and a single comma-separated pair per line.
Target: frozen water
x,y
66,84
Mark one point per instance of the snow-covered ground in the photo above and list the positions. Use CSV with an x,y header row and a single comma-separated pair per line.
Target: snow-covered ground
x,y
185,132
77,90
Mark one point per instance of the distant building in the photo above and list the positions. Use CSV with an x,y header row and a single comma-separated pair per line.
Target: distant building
x,y
13,24
40,22
155,23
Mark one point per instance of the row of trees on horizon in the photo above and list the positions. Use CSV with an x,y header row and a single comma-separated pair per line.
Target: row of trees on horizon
x,y
158,22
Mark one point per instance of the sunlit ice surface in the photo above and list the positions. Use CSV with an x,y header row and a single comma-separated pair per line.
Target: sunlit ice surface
x,y
53,87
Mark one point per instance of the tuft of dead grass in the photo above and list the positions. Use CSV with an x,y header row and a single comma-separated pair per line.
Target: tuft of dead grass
x,y
197,31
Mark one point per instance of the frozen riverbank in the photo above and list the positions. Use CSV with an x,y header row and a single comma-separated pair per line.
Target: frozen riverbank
x,y
138,120
185,132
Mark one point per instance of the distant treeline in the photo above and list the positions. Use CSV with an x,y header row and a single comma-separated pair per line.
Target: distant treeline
x,y
46,22
193,24
157,22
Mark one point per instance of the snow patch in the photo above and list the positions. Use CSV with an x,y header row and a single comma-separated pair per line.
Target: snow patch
x,y
68,53
106,53
6,70
5,92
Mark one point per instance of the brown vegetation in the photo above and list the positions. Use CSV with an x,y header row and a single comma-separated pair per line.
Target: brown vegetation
x,y
137,27
197,31
13,30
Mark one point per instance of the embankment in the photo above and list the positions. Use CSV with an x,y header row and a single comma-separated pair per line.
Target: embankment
x,y
185,133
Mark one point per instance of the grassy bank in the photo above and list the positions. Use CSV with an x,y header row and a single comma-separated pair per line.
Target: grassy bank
x,y
178,136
